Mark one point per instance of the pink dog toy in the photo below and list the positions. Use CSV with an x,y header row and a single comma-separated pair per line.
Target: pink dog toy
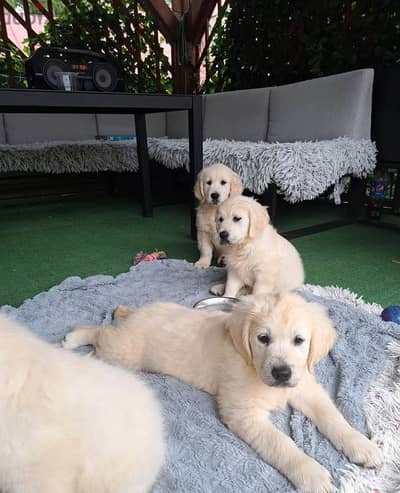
x,y
149,257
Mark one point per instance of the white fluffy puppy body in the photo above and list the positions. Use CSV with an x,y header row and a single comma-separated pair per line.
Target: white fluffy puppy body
x,y
70,423
257,359
214,185
256,256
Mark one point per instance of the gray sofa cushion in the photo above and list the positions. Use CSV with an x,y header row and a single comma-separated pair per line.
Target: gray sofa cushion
x,y
324,108
177,124
2,130
156,124
125,124
237,115
27,128
115,124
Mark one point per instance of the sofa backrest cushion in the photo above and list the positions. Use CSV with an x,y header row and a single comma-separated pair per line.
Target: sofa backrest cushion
x,y
177,124
237,115
2,130
125,124
21,128
115,124
323,108
27,128
156,124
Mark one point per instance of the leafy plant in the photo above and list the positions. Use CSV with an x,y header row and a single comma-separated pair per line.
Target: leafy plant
x,y
119,29
17,66
58,6
105,26
283,41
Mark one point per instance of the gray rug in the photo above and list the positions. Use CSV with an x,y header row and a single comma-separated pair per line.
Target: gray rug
x,y
203,456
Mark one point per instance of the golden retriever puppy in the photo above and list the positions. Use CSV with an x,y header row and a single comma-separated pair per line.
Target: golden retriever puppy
x,y
256,359
256,256
213,186
72,424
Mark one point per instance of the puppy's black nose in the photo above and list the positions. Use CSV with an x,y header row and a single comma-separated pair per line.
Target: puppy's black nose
x,y
224,235
282,373
215,195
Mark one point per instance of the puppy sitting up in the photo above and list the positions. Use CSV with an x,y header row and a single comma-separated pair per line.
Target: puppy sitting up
x,y
213,186
256,256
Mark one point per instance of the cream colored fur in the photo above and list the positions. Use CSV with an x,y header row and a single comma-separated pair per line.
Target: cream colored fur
x,y
215,179
256,256
72,424
222,354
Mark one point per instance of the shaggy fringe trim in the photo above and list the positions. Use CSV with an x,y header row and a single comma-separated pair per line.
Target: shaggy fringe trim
x,y
301,170
382,410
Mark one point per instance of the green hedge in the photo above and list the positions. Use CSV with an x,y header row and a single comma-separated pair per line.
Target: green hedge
x,y
269,42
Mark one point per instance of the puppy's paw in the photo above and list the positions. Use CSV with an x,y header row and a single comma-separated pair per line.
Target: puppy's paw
x,y
73,339
221,261
362,451
311,477
218,289
122,311
202,264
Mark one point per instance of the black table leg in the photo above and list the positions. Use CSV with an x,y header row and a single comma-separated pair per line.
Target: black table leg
x,y
144,167
195,152
269,198
356,208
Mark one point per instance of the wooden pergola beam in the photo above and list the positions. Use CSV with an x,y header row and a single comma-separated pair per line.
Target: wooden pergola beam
x,y
199,13
167,20
211,35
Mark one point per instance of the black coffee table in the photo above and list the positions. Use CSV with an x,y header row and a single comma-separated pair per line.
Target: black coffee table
x,y
34,101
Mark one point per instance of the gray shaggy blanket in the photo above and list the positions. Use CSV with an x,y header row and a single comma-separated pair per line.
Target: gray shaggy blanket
x,y
301,170
203,455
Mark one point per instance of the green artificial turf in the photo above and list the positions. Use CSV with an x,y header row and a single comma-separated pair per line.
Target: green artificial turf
x,y
43,244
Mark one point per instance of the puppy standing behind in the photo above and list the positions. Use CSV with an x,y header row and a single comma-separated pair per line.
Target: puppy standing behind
x,y
213,186
70,423
256,256
256,359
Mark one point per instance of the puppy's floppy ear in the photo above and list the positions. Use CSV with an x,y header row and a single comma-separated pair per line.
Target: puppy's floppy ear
x,y
236,185
199,188
323,335
240,321
258,219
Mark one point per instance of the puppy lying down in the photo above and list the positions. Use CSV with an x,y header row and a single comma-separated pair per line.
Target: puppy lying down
x,y
257,258
256,359
72,424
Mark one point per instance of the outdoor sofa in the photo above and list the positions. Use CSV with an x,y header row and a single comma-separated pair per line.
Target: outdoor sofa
x,y
299,139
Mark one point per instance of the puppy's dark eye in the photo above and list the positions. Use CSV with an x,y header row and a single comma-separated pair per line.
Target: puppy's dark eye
x,y
221,219
223,182
298,341
209,182
264,339
236,219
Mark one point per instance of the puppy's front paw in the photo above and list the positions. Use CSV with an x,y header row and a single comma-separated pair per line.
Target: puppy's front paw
x,y
221,261
362,451
311,477
218,289
202,264
121,312
71,340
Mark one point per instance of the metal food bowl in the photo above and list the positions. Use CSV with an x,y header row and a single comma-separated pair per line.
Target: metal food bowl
x,y
216,303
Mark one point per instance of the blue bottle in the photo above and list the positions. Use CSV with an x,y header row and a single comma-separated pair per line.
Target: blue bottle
x,y
377,196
